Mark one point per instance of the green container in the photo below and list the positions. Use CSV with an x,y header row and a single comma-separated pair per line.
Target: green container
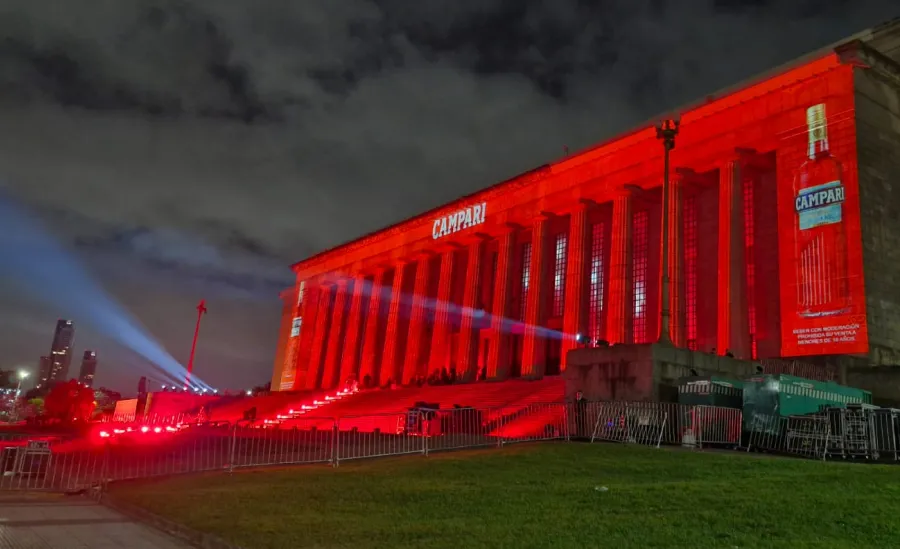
x,y
710,391
768,397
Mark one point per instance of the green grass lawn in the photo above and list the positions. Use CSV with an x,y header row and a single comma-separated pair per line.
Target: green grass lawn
x,y
542,496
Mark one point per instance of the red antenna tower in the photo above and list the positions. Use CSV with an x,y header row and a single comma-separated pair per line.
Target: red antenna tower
x,y
201,310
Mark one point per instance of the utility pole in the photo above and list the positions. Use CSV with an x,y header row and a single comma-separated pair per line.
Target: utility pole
x,y
201,310
666,132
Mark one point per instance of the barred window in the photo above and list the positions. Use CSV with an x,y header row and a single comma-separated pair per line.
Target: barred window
x,y
640,258
559,274
749,227
690,270
595,307
526,279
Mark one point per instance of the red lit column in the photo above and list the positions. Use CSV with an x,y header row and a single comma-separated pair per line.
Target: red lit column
x,y
498,346
312,294
618,325
372,352
678,320
317,348
285,353
575,314
440,338
391,361
733,327
533,349
468,343
299,347
353,331
332,367
415,343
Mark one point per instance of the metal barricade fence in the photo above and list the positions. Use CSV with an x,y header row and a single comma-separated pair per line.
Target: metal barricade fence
x,y
532,423
635,422
764,432
715,426
382,435
808,436
145,451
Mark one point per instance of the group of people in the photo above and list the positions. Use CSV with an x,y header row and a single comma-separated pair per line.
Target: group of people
x,y
444,376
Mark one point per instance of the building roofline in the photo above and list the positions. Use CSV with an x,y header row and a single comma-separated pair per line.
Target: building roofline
x,y
864,36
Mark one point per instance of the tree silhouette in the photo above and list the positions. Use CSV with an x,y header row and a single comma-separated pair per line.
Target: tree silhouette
x,y
70,401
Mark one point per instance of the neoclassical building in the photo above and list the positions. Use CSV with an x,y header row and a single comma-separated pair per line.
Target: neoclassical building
x,y
770,224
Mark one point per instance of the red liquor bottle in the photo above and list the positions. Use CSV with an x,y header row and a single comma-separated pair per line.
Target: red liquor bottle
x,y
819,233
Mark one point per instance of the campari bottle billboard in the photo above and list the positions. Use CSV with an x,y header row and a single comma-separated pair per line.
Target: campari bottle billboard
x,y
823,301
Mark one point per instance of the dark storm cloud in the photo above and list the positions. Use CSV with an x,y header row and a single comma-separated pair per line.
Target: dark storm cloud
x,y
180,144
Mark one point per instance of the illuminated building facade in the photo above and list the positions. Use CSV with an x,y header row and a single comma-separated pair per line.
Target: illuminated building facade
x,y
781,190
60,358
88,368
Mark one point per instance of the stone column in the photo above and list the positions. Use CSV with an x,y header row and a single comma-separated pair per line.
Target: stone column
x,y
498,346
733,323
285,352
577,288
620,312
468,343
299,348
317,348
335,349
440,337
391,361
353,331
533,346
370,360
415,344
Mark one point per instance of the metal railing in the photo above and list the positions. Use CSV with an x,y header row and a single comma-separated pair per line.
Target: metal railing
x,y
141,453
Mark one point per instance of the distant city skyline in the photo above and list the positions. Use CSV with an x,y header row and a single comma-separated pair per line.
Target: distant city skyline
x,y
56,368
88,368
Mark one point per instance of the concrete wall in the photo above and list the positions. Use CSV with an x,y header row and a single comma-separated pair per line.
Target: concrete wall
x,y
642,372
878,149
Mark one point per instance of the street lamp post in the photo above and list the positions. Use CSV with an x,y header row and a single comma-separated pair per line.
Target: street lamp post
x,y
666,132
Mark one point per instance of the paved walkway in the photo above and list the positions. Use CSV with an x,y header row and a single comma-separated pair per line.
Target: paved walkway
x,y
59,522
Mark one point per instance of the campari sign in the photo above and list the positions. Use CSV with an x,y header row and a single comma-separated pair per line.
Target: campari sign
x,y
465,218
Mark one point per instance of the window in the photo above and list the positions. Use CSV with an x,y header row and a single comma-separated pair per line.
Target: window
x,y
690,270
526,279
559,274
487,290
749,228
640,253
595,307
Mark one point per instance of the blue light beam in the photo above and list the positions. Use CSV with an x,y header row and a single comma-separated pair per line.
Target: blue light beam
x,y
35,262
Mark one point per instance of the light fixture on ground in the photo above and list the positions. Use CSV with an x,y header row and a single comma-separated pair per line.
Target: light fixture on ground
x,y
666,132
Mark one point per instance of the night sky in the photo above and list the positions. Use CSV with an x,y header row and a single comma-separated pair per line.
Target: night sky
x,y
189,149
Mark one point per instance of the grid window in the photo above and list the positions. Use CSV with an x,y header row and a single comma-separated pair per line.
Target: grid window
x,y
640,255
690,270
749,228
526,279
559,274
487,294
595,308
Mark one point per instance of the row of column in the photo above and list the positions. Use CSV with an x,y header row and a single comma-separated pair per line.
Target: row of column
x,y
356,339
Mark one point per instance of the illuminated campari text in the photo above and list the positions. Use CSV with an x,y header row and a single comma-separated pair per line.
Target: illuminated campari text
x,y
457,221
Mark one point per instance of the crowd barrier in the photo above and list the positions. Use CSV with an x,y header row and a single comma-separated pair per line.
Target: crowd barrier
x,y
145,452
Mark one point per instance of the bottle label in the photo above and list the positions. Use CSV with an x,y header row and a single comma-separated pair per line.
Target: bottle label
x,y
820,205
